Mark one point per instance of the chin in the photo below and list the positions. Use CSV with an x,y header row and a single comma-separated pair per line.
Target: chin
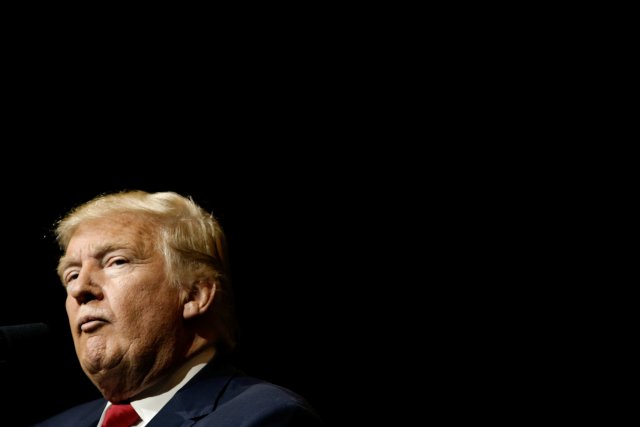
x,y
113,389
93,355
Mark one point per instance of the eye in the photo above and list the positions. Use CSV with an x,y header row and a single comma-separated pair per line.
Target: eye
x,y
70,276
117,261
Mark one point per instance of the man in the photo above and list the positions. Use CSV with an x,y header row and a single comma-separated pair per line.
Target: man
x,y
151,314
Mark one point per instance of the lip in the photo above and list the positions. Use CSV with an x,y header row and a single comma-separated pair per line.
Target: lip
x,y
91,323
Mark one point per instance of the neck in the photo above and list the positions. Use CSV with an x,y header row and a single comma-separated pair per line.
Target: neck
x,y
177,375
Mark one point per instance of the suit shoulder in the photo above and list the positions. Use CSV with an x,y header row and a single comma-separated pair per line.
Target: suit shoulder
x,y
77,415
260,402
249,387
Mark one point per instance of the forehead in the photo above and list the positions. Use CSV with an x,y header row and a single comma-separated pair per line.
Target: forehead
x,y
124,230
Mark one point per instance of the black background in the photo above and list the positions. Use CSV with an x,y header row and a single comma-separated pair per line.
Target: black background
x,y
296,241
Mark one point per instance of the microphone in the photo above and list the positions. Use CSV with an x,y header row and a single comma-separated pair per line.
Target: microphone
x,y
22,341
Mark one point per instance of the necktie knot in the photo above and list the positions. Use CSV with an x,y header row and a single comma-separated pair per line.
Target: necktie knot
x,y
120,415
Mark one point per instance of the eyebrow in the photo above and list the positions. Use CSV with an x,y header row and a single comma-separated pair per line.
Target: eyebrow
x,y
98,252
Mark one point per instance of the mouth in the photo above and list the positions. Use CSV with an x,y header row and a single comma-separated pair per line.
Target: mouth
x,y
91,323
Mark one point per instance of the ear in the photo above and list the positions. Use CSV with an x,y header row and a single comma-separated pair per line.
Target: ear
x,y
199,298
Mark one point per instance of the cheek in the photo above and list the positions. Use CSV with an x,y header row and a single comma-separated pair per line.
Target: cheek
x,y
146,311
71,307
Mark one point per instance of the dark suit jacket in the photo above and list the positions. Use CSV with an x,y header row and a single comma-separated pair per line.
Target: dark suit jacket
x,y
218,396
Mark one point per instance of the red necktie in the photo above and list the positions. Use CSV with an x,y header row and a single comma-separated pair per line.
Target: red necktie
x,y
120,416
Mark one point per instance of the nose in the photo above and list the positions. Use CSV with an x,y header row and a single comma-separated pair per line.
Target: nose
x,y
85,288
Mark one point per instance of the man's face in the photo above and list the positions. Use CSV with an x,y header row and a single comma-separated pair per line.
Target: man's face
x,y
125,318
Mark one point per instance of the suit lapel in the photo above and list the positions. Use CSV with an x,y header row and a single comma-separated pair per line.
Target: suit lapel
x,y
197,399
